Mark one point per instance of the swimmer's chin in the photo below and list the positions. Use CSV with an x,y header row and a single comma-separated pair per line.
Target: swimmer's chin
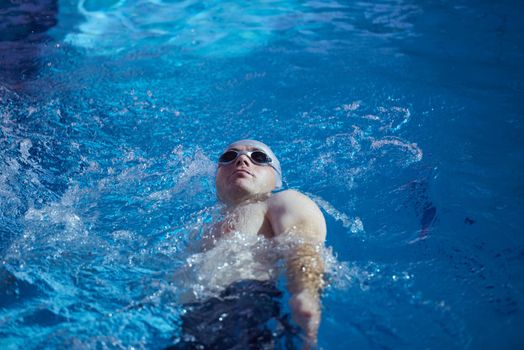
x,y
242,184
243,189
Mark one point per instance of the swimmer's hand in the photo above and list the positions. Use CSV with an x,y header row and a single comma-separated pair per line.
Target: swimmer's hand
x,y
305,309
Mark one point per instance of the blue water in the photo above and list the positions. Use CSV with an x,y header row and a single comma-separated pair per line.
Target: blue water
x,y
401,119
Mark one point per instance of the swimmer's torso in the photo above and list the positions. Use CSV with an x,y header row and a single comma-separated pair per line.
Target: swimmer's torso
x,y
249,218
238,247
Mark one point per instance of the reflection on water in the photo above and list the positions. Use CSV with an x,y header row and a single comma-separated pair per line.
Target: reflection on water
x,y
230,28
218,28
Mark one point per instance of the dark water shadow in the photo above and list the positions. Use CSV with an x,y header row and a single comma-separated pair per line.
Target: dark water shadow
x,y
23,28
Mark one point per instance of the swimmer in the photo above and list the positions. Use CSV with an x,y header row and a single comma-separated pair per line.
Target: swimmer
x,y
247,174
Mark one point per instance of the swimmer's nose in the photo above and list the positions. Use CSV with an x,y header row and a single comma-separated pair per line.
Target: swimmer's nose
x,y
242,160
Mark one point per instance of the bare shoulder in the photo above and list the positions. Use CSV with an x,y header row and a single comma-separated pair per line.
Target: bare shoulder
x,y
292,211
290,199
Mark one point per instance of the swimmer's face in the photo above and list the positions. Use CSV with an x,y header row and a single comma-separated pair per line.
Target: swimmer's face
x,y
243,179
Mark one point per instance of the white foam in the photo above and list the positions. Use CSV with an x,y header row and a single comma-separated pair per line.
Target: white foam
x,y
413,152
236,257
25,146
354,224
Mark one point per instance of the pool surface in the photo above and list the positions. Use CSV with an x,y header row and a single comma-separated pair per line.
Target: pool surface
x,y
402,119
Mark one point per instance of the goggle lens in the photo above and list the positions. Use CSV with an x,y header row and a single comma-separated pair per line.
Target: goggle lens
x,y
258,157
228,157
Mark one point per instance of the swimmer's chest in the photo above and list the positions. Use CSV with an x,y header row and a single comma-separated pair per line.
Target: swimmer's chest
x,y
249,219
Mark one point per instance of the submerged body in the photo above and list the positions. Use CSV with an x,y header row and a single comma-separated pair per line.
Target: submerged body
x,y
258,230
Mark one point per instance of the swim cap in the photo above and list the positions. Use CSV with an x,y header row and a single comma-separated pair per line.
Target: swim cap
x,y
275,164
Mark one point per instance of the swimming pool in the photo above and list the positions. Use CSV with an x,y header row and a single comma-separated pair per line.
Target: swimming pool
x,y
402,119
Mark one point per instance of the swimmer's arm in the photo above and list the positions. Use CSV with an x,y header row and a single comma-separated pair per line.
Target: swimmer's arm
x,y
299,220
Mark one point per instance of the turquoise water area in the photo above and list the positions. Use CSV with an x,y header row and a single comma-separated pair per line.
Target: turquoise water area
x,y
401,119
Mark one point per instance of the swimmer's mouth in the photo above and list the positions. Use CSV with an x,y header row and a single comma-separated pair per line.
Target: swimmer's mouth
x,y
241,171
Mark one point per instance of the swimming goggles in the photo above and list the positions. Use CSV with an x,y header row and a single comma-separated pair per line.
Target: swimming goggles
x,y
257,156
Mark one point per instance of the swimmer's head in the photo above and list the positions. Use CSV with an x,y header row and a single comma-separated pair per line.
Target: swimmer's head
x,y
247,169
